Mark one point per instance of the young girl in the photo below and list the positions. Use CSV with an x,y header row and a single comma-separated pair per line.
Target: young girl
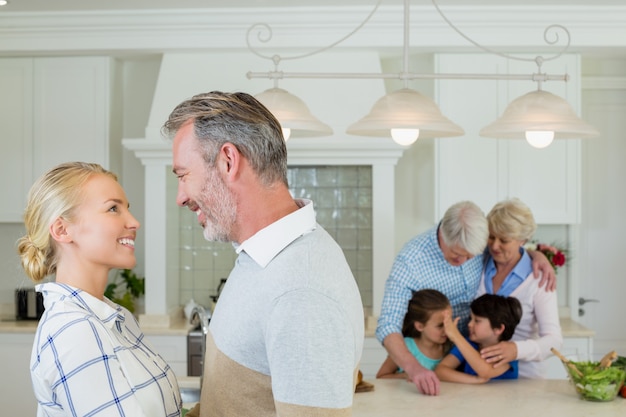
x,y
492,319
89,356
423,332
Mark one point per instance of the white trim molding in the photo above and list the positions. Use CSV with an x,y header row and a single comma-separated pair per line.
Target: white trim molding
x,y
158,31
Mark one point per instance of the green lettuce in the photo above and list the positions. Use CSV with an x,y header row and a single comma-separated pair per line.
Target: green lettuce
x,y
597,384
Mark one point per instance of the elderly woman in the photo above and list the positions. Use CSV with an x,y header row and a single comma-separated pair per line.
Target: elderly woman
x,y
508,272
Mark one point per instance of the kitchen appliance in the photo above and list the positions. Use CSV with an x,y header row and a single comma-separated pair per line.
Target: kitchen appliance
x,y
195,352
196,340
28,304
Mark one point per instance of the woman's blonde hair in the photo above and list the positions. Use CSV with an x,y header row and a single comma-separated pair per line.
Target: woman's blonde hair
x,y
512,219
56,194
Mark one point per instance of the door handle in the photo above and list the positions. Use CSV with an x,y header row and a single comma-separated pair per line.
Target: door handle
x,y
582,301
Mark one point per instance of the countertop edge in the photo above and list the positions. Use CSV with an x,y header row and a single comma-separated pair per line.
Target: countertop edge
x,y
178,327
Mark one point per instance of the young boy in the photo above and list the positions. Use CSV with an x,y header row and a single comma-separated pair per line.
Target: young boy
x,y
493,319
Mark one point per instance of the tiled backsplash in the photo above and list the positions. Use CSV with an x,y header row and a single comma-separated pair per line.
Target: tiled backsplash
x,y
342,197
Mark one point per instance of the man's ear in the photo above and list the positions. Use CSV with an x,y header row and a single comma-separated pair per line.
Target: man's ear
x,y
58,231
230,158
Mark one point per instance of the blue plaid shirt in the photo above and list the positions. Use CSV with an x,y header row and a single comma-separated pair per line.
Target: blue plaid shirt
x,y
420,265
91,359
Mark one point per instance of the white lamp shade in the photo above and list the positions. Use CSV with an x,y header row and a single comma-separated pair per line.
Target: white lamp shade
x,y
292,113
539,111
405,109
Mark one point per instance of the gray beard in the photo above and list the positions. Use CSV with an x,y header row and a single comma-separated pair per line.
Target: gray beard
x,y
218,226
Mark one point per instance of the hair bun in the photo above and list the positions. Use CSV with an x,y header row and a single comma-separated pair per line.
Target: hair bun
x,y
33,259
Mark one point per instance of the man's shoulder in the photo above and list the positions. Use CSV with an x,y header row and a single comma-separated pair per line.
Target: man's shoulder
x,y
423,242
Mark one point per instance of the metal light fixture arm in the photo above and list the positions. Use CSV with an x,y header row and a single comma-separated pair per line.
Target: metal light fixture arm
x,y
538,59
539,77
264,34
381,117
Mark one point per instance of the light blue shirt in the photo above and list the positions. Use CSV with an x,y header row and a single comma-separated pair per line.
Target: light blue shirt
x,y
420,265
521,271
425,361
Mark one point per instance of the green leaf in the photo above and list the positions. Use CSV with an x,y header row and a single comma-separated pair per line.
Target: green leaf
x,y
125,289
110,290
126,301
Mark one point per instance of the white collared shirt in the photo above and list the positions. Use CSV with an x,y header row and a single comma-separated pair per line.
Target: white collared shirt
x,y
265,244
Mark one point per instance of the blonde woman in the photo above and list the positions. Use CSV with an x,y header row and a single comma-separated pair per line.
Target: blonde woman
x,y
508,272
89,356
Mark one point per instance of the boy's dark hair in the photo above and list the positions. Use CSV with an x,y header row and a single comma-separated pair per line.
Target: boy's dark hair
x,y
421,307
500,311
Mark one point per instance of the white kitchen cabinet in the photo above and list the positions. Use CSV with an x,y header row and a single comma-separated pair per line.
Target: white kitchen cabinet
x,y
16,389
173,349
374,354
487,170
16,135
52,110
574,349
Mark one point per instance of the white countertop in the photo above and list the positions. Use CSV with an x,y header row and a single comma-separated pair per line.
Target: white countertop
x,y
513,398
178,327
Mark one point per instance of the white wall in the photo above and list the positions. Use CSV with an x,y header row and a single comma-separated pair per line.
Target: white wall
x,y
137,77
603,224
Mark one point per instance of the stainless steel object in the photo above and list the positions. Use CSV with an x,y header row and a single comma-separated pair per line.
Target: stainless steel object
x,y
581,302
196,341
190,395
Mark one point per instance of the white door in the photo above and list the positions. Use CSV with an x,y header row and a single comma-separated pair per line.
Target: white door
x,y
602,253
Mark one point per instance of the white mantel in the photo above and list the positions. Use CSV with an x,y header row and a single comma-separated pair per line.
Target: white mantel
x,y
381,154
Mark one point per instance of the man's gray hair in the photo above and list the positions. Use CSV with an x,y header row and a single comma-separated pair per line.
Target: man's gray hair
x,y
237,118
464,225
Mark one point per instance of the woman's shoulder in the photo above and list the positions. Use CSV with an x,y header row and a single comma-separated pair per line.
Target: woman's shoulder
x,y
56,322
65,319
529,288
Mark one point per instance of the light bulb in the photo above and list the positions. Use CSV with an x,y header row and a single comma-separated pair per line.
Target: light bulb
x,y
286,133
539,138
405,137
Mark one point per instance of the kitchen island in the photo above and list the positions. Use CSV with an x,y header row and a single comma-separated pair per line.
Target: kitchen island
x,y
513,398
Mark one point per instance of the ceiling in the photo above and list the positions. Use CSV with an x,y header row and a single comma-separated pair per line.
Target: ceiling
x,y
92,5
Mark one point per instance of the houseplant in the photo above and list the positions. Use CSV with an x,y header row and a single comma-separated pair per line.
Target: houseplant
x,y
125,289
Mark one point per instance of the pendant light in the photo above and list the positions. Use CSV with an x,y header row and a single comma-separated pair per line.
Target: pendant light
x,y
406,115
539,117
294,116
